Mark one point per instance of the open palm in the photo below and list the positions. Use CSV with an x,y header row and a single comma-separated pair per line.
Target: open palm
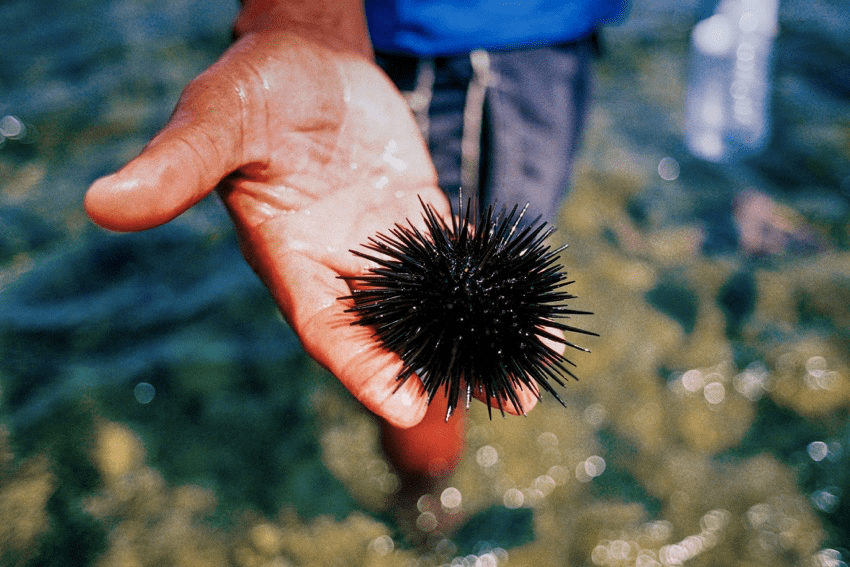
x,y
312,150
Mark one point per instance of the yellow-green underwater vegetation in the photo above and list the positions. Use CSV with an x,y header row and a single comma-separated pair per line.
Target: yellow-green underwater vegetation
x,y
155,410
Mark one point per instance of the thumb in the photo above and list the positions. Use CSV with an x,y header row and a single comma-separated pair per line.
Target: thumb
x,y
178,168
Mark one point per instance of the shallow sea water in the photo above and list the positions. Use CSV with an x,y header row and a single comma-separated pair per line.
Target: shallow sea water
x,y
155,410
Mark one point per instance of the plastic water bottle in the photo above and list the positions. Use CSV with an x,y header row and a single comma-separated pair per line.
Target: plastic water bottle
x,y
727,111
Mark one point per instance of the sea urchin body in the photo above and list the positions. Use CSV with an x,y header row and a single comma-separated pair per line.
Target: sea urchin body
x,y
467,305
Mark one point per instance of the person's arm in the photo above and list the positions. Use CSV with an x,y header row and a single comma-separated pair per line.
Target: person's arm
x,y
341,23
312,150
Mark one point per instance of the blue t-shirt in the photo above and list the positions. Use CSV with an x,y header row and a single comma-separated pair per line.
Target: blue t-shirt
x,y
444,27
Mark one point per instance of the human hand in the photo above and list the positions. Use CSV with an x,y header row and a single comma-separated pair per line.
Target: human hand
x,y
312,150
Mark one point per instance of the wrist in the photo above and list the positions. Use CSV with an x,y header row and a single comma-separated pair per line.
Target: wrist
x,y
338,23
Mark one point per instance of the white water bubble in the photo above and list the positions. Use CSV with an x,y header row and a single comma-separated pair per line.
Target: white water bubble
x,y
144,392
451,498
826,499
714,393
595,465
11,127
513,498
487,456
595,415
382,545
693,380
668,169
817,450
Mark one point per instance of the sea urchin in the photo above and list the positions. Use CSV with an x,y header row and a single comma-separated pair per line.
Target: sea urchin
x,y
467,304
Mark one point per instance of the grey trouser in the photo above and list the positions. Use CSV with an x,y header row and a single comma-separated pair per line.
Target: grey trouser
x,y
507,122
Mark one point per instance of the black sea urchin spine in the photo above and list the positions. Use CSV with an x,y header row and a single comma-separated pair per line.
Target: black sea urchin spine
x,y
467,305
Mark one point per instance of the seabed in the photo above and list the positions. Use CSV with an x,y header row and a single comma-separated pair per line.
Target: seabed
x,y
154,409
